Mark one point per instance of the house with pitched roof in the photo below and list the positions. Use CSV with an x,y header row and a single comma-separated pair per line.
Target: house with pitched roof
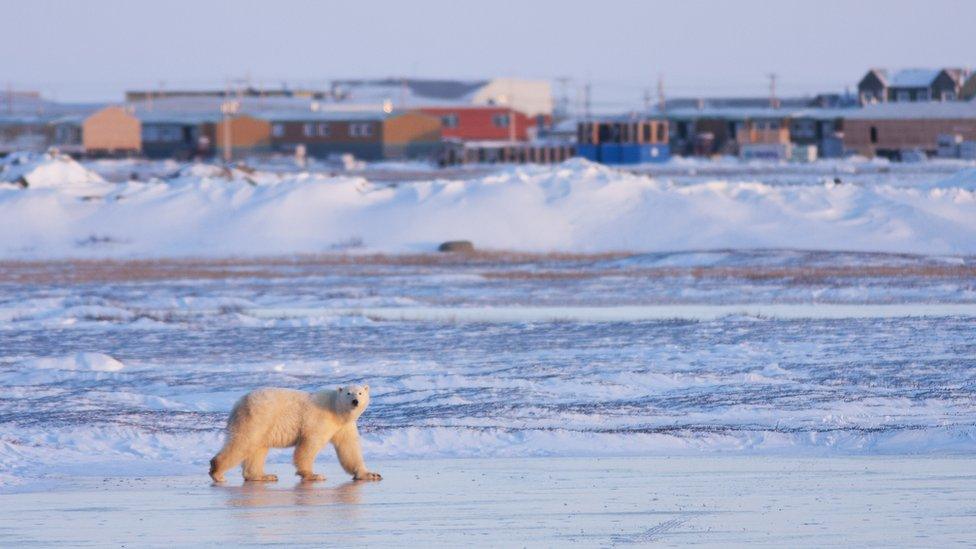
x,y
883,86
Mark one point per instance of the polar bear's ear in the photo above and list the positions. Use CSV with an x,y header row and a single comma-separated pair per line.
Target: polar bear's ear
x,y
366,388
339,389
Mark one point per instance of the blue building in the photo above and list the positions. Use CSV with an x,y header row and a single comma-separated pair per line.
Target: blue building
x,y
623,140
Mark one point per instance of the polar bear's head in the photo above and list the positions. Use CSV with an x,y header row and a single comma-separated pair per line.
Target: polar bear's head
x,y
352,398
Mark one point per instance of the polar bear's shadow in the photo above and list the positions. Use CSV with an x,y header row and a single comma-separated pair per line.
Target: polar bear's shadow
x,y
262,494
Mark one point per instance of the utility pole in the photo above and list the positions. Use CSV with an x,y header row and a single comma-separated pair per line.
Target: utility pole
x,y
586,100
773,101
228,108
562,106
661,103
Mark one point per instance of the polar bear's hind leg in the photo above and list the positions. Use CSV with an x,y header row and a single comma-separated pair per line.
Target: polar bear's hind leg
x,y
254,466
229,457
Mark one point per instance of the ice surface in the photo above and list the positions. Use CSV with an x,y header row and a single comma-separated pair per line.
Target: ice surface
x,y
727,501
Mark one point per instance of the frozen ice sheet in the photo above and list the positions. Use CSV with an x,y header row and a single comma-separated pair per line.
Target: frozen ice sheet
x,y
728,501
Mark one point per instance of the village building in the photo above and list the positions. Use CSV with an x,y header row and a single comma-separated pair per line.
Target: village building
x,y
893,130
66,134
178,135
819,128
507,152
240,134
368,135
22,132
483,123
909,85
724,131
111,131
623,140
532,98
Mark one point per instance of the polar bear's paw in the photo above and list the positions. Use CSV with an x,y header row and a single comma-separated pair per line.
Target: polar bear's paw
x,y
367,475
311,477
262,478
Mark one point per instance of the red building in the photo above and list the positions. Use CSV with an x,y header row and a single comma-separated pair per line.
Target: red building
x,y
482,123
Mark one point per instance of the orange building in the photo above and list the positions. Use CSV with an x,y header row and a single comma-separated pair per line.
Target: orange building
x,y
111,131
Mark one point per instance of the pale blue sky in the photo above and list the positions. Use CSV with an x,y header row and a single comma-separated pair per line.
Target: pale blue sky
x,y
94,49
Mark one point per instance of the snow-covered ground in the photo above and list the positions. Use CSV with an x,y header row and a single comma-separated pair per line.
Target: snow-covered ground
x,y
741,319
132,367
576,206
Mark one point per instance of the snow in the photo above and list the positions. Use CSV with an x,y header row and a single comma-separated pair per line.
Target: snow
x,y
732,332
646,355
913,78
575,206
92,362
50,170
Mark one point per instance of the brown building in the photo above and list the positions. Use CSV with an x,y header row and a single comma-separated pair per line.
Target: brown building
x,y
411,135
111,131
24,133
368,135
709,131
890,128
246,135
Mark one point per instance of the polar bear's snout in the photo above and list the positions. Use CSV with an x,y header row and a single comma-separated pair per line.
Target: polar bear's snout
x,y
355,402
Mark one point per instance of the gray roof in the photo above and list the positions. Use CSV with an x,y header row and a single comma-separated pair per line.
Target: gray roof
x,y
291,115
429,88
177,117
915,110
766,113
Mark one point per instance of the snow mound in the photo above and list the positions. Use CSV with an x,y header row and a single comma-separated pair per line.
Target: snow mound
x,y
49,170
963,179
201,171
576,206
90,362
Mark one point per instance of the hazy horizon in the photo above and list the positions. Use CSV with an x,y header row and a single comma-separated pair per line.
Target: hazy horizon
x,y
94,51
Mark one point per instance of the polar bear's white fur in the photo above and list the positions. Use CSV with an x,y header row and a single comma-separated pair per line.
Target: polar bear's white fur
x,y
281,418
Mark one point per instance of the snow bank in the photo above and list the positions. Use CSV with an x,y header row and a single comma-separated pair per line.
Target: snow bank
x,y
50,170
575,206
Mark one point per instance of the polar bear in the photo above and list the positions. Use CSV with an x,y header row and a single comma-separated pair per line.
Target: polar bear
x,y
281,418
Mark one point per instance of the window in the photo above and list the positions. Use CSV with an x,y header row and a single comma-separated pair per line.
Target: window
x,y
322,129
922,95
874,134
360,129
449,120
150,133
308,130
278,130
500,120
902,95
170,134
948,96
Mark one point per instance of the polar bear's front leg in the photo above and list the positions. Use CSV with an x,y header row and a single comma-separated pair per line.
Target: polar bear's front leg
x,y
350,455
304,459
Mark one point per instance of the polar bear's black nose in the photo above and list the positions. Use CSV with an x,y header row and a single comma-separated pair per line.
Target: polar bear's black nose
x,y
355,402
